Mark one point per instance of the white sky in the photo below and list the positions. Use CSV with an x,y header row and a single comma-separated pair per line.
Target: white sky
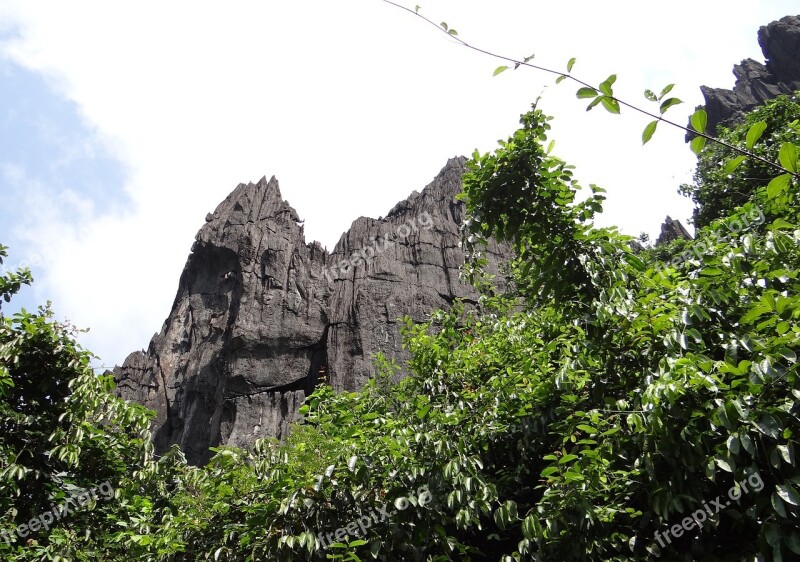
x,y
352,105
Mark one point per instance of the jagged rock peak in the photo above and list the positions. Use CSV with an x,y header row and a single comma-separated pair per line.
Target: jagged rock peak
x,y
756,82
671,230
260,317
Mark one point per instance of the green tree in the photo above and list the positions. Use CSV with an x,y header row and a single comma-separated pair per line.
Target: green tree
x,y
717,190
62,432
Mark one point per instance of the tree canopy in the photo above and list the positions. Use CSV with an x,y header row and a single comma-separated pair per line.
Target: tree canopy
x,y
614,404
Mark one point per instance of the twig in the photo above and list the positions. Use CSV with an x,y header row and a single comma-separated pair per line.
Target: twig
x,y
569,76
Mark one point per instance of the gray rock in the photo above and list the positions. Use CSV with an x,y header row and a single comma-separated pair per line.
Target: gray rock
x,y
757,83
672,229
260,316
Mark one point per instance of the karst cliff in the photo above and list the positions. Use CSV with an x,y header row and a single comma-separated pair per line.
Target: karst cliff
x,y
261,316
758,82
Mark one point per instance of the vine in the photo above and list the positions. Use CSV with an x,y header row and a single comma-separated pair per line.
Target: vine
x,y
603,94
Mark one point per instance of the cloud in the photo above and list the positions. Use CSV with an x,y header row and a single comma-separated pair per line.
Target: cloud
x,y
351,105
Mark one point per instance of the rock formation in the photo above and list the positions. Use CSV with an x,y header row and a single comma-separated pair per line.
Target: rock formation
x,y
260,316
672,229
757,82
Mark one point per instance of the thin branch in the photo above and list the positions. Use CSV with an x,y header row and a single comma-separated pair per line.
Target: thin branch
x,y
569,76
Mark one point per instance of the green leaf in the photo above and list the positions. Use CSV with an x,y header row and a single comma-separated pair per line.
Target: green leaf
x,y
416,8
451,32
499,69
561,78
648,132
584,93
636,262
777,505
667,89
650,95
788,494
531,527
605,86
733,164
567,458
611,105
788,354
755,132
666,104
699,120
548,471
768,425
778,185
788,156
698,144
723,464
444,26
570,64
595,101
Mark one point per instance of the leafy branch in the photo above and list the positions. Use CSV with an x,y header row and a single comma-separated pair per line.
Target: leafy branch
x,y
604,95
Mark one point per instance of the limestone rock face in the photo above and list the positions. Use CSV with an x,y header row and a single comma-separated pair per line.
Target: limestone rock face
x,y
260,315
672,229
757,83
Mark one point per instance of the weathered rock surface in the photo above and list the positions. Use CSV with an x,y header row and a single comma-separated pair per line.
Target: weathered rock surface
x,y
757,82
672,229
260,315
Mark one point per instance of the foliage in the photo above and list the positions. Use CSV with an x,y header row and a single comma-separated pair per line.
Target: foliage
x,y
718,190
677,368
62,432
583,425
602,402
11,283
603,94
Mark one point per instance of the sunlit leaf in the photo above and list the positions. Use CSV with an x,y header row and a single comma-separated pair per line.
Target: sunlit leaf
x,y
649,130
667,89
755,132
666,104
788,156
594,102
499,69
733,164
611,105
605,86
788,494
697,144
778,185
699,120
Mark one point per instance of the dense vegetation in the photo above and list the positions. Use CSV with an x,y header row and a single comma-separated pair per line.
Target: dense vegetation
x,y
614,405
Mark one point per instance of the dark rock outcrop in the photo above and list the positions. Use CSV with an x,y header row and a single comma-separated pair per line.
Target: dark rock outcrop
x,y
672,229
757,82
260,315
